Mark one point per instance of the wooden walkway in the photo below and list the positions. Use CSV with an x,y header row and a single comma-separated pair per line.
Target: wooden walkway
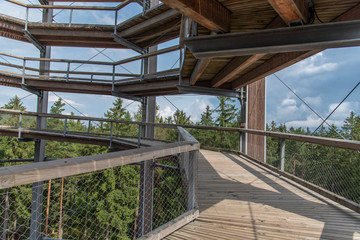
x,y
239,200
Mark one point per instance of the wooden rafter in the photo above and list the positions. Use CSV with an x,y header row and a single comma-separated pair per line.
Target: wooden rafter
x,y
238,64
274,64
291,10
199,69
283,60
211,14
235,66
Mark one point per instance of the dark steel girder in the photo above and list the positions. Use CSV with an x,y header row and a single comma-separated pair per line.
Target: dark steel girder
x,y
301,38
208,91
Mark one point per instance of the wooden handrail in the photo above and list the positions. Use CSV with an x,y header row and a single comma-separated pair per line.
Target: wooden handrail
x,y
330,142
41,171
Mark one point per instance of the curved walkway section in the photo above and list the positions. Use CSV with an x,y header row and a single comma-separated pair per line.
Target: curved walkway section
x,y
240,200
157,25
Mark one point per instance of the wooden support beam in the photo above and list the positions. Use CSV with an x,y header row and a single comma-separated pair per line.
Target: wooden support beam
x,y
199,69
236,65
291,10
211,14
283,60
274,64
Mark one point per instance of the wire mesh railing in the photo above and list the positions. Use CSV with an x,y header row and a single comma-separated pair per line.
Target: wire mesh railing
x,y
98,205
332,165
333,169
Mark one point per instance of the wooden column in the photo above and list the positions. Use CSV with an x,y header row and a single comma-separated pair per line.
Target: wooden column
x,y
256,119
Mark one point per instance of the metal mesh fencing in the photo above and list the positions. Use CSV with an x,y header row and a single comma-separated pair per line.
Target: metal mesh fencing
x,y
336,170
104,204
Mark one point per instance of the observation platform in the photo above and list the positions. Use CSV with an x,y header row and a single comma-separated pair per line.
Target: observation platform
x,y
240,200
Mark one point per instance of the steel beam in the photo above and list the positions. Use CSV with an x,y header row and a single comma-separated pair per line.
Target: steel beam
x,y
34,41
127,96
208,91
301,38
128,44
31,90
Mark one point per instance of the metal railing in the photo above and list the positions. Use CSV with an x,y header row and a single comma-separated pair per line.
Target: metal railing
x,y
98,197
327,165
111,77
71,8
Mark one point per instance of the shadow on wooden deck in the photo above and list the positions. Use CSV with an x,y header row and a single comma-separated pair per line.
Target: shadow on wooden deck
x,y
239,200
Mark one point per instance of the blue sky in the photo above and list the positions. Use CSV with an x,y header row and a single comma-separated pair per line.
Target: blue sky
x,y
321,80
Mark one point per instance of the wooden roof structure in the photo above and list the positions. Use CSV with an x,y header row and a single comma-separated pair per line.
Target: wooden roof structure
x,y
247,16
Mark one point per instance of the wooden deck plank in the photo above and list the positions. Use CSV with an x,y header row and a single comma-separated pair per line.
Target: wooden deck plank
x,y
239,200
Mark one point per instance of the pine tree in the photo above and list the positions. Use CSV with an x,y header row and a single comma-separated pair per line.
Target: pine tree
x,y
57,107
227,114
15,104
118,112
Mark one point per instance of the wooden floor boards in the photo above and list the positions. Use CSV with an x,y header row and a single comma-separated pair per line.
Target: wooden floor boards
x,y
239,200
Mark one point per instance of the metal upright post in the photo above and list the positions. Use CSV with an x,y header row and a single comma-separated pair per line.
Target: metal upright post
x,y
282,154
65,126
193,155
39,155
147,169
243,120
20,123
111,133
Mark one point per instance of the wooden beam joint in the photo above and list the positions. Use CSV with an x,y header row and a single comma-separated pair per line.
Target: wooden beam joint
x,y
292,10
211,14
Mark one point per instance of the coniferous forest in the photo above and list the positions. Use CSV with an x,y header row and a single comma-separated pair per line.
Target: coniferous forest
x,y
104,204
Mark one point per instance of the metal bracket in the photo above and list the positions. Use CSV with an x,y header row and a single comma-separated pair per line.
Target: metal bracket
x,y
127,96
31,90
34,41
43,2
208,91
26,139
128,44
296,23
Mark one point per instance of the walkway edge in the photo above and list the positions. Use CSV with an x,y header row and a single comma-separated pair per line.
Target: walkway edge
x,y
171,226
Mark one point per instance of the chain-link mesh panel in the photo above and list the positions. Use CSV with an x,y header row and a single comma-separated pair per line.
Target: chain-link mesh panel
x,y
106,204
99,205
336,170
170,190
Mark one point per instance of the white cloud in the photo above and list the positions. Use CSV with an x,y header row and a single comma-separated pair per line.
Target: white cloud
x,y
53,98
166,112
313,65
311,121
102,18
196,108
344,110
288,101
313,101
